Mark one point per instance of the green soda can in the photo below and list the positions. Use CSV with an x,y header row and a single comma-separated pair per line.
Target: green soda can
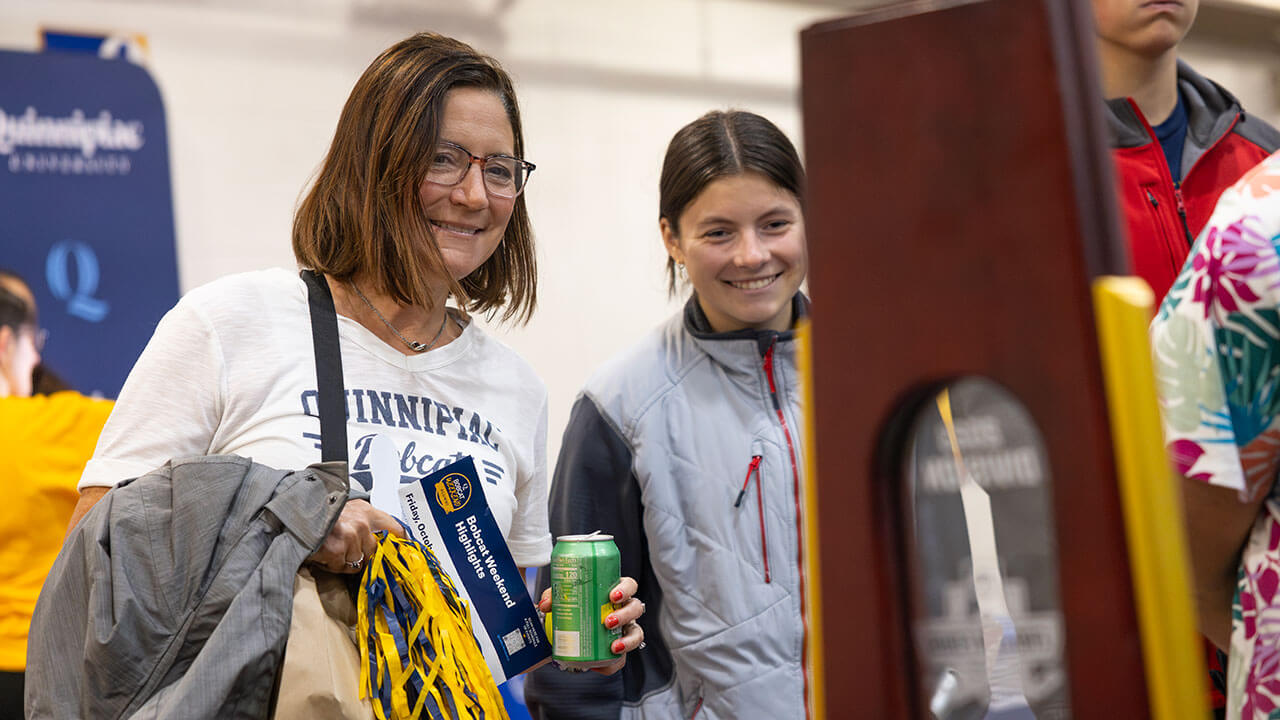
x,y
584,570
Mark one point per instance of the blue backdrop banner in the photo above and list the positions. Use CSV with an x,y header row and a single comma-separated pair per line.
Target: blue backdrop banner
x,y
85,194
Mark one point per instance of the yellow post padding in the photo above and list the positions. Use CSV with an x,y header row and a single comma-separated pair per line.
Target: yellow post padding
x,y
813,575
1152,509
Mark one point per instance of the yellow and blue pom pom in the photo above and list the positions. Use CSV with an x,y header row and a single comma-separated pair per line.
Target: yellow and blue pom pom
x,y
419,657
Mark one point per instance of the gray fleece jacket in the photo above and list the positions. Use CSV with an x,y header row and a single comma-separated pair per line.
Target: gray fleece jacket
x,y
687,449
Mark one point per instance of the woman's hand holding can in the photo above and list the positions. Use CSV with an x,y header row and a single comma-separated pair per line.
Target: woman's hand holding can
x,y
627,611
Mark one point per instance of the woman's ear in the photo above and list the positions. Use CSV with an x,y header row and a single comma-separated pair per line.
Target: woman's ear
x,y
671,240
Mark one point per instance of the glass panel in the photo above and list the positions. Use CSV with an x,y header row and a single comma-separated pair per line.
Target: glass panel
x,y
990,635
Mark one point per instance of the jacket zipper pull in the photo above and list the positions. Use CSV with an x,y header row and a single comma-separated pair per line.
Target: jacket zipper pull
x,y
1154,203
754,467
1182,214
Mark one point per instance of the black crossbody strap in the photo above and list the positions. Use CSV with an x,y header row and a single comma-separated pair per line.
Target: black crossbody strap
x,y
331,403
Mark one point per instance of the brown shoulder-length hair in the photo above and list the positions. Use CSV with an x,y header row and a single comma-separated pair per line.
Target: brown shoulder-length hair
x,y
716,145
363,215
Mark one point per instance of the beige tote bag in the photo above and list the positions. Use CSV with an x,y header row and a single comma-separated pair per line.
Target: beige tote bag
x,y
321,674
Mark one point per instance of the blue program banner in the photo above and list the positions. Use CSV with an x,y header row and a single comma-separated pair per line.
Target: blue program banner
x,y
87,207
448,512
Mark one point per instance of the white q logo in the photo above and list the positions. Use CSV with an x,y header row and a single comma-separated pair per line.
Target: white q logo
x,y
79,295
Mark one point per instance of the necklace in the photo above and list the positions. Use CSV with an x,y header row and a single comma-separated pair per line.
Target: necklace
x,y
413,345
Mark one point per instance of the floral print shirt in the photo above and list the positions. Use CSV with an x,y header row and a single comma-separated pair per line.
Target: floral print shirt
x,y
1216,342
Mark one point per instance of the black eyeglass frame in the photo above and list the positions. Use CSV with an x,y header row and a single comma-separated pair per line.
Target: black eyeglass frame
x,y
474,159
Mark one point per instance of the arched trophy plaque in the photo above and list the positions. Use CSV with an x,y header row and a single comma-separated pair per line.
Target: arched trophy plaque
x,y
989,632
963,236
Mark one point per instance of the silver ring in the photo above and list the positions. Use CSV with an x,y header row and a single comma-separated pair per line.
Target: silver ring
x,y
355,565
640,646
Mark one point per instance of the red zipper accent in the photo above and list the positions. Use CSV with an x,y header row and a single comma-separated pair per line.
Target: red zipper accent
x,y
764,543
795,478
754,467
697,709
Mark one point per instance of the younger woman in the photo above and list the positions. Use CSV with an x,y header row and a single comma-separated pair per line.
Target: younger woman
x,y
686,447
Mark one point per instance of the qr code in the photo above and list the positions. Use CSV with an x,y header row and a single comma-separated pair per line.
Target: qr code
x,y
514,641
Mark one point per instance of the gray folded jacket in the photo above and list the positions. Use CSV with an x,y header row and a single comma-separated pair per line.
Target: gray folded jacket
x,y
172,598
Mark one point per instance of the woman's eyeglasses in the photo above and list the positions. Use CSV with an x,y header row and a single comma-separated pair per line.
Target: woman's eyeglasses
x,y
504,176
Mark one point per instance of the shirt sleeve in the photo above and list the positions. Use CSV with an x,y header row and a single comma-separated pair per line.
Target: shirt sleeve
x,y
170,405
530,540
1216,347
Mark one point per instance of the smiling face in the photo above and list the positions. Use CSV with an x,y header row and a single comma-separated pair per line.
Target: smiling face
x,y
1146,27
741,241
467,222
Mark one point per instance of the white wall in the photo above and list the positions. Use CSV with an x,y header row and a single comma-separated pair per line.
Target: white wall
x,y
1249,72
253,91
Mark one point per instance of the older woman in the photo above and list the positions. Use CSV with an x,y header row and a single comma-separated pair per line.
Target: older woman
x,y
418,201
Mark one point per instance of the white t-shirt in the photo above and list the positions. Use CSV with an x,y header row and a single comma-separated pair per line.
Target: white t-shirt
x,y
231,370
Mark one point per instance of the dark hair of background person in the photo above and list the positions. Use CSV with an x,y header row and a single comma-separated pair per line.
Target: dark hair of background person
x,y
46,382
15,312
363,212
720,144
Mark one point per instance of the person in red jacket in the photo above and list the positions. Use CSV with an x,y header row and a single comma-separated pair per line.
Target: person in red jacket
x,y
1178,138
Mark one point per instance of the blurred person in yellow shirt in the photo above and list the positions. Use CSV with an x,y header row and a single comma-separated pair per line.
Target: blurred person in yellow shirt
x,y
43,380
45,441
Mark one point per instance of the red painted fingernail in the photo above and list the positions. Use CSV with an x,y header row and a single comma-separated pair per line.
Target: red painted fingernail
x,y
617,647
616,596
611,622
